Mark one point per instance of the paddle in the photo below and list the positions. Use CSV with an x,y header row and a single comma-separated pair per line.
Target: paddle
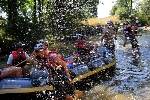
x,y
138,34
23,61
78,94
70,87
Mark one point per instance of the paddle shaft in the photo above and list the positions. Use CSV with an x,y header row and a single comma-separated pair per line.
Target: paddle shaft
x,y
23,61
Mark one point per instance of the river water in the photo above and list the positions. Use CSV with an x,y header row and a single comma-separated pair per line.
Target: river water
x,y
131,80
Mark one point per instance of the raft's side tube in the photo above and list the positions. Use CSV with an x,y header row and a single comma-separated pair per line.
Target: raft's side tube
x,y
14,83
105,54
68,58
97,63
35,73
80,70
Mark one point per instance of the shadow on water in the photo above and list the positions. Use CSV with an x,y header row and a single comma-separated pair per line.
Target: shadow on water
x,y
132,75
91,81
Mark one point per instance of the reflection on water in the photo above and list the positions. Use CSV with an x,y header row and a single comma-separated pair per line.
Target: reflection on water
x,y
132,77
107,93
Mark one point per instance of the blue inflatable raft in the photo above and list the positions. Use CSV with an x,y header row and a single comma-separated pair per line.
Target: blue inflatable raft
x,y
102,59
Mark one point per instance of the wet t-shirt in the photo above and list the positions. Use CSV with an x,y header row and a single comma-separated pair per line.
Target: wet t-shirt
x,y
53,55
109,35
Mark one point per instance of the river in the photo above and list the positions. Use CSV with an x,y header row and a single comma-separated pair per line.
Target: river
x,y
131,80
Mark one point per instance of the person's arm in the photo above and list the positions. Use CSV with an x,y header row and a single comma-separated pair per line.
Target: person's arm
x,y
58,61
31,60
115,33
33,54
9,61
102,38
95,47
113,29
123,31
76,44
133,30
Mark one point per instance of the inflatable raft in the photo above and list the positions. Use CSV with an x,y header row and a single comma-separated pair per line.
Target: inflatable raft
x,y
101,60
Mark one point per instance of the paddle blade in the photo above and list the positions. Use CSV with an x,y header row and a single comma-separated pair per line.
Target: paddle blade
x,y
78,94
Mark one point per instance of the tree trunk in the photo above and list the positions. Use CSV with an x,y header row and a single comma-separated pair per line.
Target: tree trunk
x,y
12,16
34,11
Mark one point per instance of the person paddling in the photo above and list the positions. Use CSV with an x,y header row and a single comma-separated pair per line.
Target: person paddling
x,y
53,59
19,58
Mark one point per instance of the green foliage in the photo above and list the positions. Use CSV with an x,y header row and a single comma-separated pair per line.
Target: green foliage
x,y
125,10
30,20
113,10
122,13
143,19
2,27
1,34
50,39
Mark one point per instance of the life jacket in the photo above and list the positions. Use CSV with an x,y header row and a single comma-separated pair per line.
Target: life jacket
x,y
80,43
46,60
18,58
128,28
135,27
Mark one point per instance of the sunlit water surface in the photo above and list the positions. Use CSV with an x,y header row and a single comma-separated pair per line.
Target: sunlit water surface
x,y
131,78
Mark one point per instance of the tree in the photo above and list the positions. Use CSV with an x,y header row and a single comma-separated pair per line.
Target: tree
x,y
125,10
29,20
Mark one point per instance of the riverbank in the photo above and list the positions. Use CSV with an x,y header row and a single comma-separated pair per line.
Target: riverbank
x,y
146,28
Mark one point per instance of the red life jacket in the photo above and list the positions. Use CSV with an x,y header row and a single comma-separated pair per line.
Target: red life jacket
x,y
18,58
128,28
46,60
135,27
80,43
